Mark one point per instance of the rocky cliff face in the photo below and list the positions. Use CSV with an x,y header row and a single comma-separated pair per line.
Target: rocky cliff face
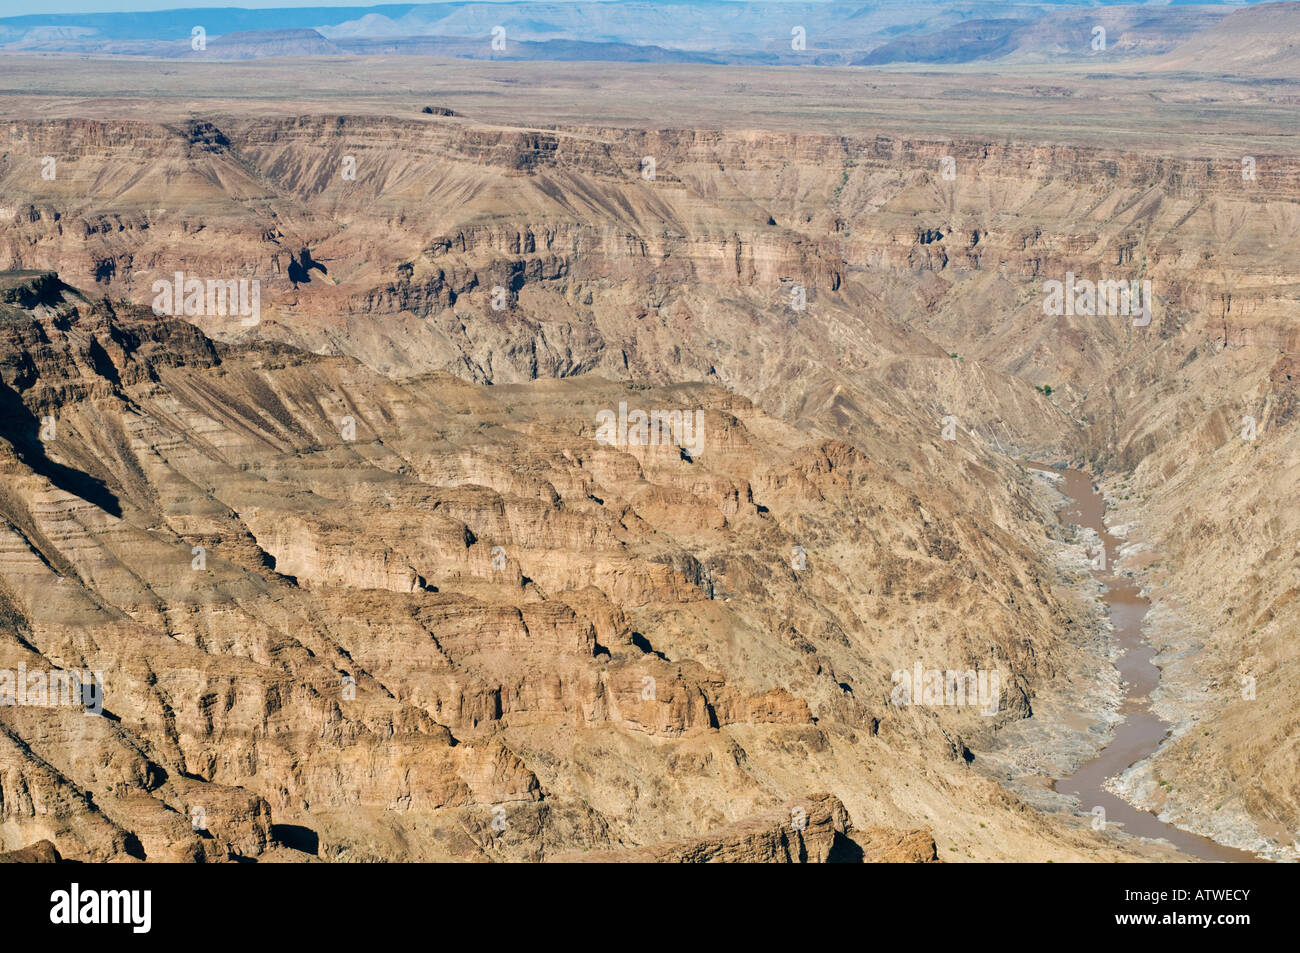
x,y
679,239
427,618
367,580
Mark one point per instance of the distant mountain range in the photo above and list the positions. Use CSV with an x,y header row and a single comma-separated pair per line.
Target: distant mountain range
x,y
710,31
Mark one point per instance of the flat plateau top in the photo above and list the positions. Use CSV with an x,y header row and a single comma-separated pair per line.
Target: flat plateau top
x,y
1130,109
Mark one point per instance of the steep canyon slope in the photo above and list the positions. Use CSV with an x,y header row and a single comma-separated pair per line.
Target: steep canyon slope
x,y
363,580
465,604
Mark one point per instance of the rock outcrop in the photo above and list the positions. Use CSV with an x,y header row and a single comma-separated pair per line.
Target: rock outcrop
x,y
812,831
431,619
42,852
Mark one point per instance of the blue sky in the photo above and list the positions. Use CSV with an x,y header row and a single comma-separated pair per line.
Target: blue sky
x,y
15,8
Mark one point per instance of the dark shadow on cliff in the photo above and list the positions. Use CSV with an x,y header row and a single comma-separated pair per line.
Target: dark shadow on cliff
x,y
844,850
296,837
22,429
300,270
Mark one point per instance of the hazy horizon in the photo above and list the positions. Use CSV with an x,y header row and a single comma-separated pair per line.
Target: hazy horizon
x,y
17,8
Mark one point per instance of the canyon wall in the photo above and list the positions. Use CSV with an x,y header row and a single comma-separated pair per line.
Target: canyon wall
x,y
361,577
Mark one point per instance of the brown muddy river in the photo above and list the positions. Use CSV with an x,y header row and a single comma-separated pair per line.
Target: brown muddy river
x,y
1141,732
